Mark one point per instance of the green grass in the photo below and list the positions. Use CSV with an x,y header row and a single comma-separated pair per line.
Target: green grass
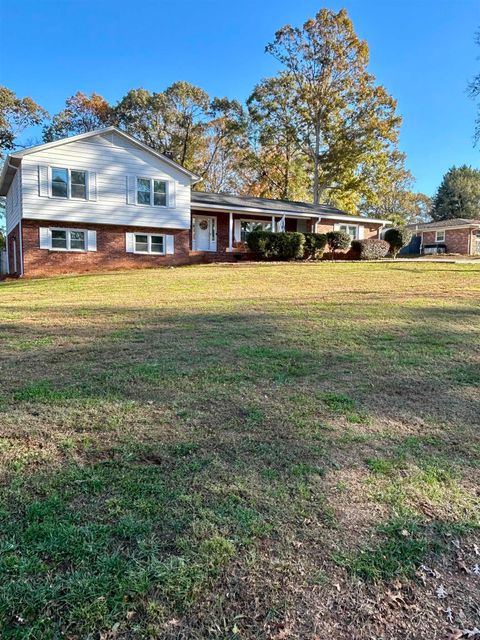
x,y
186,452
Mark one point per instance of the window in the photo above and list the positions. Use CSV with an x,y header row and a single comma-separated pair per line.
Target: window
x,y
60,183
159,193
152,192
69,183
149,243
440,236
68,240
247,226
352,230
78,184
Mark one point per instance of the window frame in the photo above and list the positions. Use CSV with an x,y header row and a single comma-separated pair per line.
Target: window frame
x,y
152,193
437,239
347,226
149,251
68,231
264,223
69,183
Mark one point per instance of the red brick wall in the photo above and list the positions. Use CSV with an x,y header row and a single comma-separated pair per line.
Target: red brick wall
x,y
14,235
457,240
110,254
369,231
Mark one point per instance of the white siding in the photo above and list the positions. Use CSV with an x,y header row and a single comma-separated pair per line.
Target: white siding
x,y
112,158
13,211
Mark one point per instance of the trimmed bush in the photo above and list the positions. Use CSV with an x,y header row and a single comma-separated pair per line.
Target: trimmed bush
x,y
370,249
276,246
397,237
314,246
259,243
338,240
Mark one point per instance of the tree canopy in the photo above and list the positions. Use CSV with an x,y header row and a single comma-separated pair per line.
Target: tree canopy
x,y
16,115
321,130
344,116
458,195
82,113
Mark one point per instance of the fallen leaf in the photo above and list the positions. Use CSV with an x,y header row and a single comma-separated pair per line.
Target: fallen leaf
x,y
440,591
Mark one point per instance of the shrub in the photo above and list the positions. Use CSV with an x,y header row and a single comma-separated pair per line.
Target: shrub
x,y
276,246
338,240
259,243
370,249
314,246
397,237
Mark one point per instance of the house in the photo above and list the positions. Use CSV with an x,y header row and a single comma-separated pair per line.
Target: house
x,y
458,235
103,200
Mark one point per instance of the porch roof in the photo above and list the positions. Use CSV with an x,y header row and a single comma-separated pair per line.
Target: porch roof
x,y
267,206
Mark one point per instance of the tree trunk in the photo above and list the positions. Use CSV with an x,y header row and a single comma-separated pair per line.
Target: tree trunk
x,y
316,166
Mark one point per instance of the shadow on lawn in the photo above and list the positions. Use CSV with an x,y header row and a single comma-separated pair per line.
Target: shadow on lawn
x,y
195,445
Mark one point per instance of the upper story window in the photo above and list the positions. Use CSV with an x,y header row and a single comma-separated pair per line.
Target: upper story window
x,y
152,192
69,183
440,236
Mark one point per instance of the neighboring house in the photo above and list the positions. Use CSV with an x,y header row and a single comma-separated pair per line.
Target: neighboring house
x,y
103,200
458,235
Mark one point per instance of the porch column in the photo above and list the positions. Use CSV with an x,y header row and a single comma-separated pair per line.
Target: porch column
x,y
230,232
273,224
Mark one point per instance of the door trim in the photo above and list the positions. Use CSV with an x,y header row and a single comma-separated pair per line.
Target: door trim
x,y
212,233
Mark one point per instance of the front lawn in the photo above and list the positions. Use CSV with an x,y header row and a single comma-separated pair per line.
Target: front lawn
x,y
244,451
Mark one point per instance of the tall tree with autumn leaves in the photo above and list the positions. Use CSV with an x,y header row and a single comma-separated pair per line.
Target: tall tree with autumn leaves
x,y
343,114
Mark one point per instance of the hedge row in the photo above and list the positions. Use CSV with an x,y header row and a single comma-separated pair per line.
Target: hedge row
x,y
267,245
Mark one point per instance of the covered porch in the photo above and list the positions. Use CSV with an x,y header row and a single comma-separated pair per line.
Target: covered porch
x,y
225,233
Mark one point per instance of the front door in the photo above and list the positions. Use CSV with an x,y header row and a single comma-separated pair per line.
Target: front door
x,y
204,233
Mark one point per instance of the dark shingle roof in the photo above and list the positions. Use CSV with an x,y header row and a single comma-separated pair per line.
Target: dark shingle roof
x,y
442,224
266,204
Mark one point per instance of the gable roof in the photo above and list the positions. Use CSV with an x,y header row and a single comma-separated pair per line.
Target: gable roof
x,y
446,224
12,161
250,204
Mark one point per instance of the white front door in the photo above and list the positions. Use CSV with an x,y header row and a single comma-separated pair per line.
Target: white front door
x,y
204,230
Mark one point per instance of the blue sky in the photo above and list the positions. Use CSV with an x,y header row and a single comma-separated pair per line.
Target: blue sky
x,y
423,51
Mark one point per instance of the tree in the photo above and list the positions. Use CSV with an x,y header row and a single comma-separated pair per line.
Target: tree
x,y
16,115
338,240
223,167
280,168
206,136
82,113
458,195
344,115
397,237
390,193
172,122
474,91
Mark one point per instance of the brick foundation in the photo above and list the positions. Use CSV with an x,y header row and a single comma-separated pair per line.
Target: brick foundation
x,y
110,254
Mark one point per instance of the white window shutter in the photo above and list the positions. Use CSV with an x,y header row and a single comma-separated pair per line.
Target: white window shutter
x,y
131,190
45,235
171,194
237,230
92,185
43,181
361,232
91,240
336,227
129,242
169,245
